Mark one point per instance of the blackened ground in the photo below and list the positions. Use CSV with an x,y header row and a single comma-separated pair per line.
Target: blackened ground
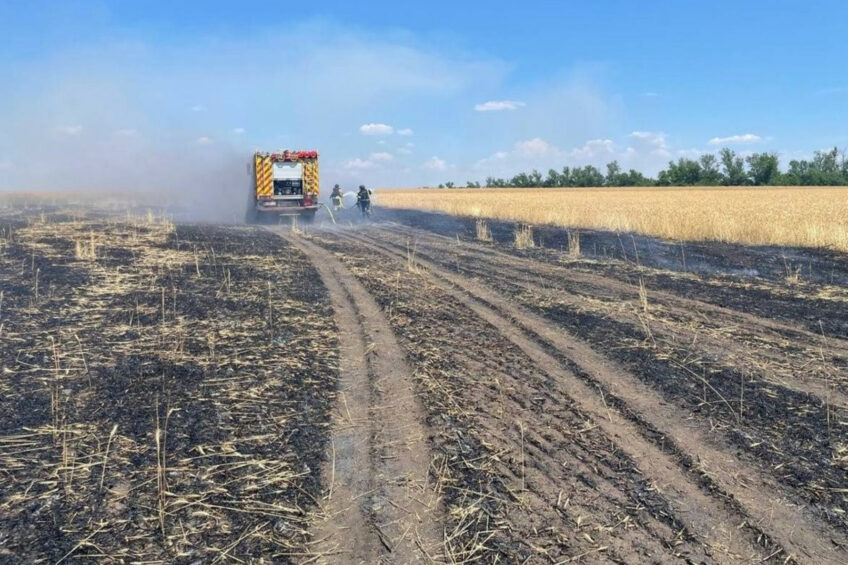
x,y
525,474
742,274
773,392
165,393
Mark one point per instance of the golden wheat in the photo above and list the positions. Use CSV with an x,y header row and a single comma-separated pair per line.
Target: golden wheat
x,y
803,216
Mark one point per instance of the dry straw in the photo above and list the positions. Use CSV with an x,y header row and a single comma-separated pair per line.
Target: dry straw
x,y
573,244
524,237
483,233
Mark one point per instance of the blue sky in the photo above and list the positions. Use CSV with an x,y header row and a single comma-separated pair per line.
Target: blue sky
x,y
403,95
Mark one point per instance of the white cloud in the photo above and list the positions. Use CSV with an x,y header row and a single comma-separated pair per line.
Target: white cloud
x,y
592,152
358,164
70,130
494,157
653,137
650,143
435,164
376,129
733,139
564,113
404,151
238,131
203,140
198,108
537,152
534,147
498,105
382,156
381,142
645,151
126,132
404,131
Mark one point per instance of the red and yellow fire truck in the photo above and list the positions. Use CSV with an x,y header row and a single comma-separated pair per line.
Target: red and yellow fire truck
x,y
285,183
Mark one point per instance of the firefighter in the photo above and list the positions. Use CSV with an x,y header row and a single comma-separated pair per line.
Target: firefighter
x,y
336,198
363,200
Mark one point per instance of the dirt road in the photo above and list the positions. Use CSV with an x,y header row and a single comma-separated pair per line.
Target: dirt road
x,y
578,413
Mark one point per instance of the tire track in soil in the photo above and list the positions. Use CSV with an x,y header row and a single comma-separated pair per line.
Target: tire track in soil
x,y
517,270
765,502
380,507
671,300
725,351
804,462
791,330
792,387
578,497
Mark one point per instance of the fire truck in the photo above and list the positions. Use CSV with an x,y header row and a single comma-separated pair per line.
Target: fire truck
x,y
285,183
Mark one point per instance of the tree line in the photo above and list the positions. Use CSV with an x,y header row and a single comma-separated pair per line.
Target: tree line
x,y
826,168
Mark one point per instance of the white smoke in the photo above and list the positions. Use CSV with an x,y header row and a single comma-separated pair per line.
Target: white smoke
x,y
184,116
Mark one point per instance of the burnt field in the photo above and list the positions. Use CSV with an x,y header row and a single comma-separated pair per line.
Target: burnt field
x,y
165,392
403,392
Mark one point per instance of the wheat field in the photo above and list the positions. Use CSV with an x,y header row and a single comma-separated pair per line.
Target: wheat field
x,y
795,216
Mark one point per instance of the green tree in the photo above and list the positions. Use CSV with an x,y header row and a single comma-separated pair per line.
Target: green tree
x,y
734,168
797,173
552,179
710,175
763,168
565,178
635,178
521,180
826,168
587,176
614,176
685,172
535,178
843,169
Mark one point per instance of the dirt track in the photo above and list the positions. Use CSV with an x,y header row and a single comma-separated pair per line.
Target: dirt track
x,y
379,500
401,393
578,422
